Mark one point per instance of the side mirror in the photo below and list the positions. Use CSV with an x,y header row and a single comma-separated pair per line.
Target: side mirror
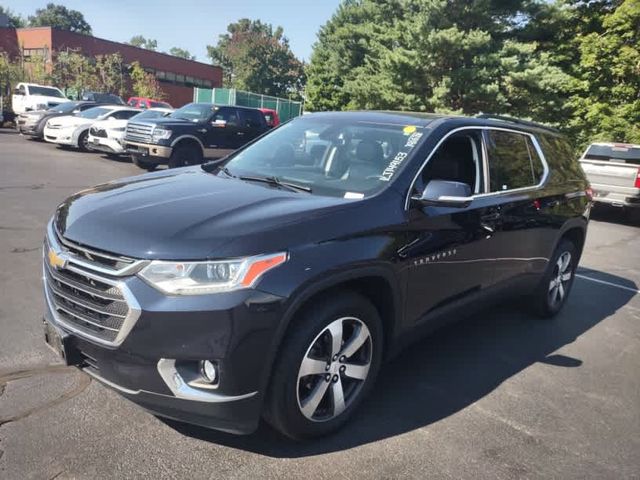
x,y
445,193
77,110
17,91
219,123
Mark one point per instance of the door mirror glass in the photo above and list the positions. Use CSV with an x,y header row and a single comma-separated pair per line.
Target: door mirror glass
x,y
18,91
445,193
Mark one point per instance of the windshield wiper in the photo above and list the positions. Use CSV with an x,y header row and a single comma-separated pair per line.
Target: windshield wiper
x,y
276,182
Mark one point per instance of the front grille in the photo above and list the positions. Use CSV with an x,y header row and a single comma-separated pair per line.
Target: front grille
x,y
138,132
84,293
91,306
98,132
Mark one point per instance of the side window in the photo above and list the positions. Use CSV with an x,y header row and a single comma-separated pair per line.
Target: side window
x,y
124,114
457,159
560,155
133,102
252,118
513,161
229,115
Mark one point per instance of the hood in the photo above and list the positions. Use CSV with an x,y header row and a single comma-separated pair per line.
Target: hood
x,y
45,100
166,122
110,124
187,213
70,121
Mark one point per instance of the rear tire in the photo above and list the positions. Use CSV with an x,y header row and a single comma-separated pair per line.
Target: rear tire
x,y
326,366
555,286
184,155
144,164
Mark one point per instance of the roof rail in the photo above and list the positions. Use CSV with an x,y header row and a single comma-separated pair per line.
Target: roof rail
x,y
506,118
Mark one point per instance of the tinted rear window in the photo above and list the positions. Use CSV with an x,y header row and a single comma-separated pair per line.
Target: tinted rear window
x,y
562,161
614,153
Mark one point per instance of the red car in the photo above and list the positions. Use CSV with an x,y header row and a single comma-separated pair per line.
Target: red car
x,y
271,116
142,102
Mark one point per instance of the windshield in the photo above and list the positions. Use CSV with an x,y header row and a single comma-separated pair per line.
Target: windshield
x,y
194,112
45,91
66,107
340,158
159,104
94,112
148,114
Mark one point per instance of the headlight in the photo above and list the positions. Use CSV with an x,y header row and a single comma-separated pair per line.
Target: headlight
x,y
199,278
160,134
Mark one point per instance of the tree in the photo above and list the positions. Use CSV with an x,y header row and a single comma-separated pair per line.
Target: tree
x,y
109,73
15,20
147,43
606,101
448,56
144,84
61,17
73,73
182,53
256,57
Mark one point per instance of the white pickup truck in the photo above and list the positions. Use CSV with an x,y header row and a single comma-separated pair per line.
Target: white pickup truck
x,y
29,96
613,169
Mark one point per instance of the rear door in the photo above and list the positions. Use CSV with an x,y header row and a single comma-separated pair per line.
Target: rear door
x,y
223,134
612,168
252,124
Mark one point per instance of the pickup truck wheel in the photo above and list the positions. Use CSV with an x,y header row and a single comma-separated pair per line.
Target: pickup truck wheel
x,y
144,164
555,286
326,366
184,155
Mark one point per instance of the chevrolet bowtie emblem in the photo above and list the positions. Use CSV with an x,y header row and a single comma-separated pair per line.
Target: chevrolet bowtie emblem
x,y
55,260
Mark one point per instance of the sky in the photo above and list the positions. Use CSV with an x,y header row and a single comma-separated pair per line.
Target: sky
x,y
193,24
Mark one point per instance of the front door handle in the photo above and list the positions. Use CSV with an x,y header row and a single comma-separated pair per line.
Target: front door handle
x,y
240,133
202,130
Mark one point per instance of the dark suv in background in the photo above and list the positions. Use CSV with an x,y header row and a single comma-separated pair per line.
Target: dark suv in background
x,y
273,283
192,133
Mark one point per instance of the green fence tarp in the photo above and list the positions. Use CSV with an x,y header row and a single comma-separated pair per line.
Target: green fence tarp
x,y
286,109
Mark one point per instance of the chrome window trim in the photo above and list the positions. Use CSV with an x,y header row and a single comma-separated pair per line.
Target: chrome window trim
x,y
484,128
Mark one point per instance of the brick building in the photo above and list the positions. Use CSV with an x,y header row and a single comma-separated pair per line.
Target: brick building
x,y
177,76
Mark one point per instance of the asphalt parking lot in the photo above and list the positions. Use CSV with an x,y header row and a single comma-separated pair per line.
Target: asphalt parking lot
x,y
499,395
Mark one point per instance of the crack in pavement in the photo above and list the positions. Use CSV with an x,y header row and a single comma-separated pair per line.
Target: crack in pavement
x,y
24,249
6,377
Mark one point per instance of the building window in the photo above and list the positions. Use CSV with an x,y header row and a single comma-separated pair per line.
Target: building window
x,y
29,53
171,77
180,78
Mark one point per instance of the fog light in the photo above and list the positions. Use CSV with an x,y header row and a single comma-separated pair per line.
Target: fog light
x,y
209,371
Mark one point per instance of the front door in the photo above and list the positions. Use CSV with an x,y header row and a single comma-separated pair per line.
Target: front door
x,y
223,133
450,250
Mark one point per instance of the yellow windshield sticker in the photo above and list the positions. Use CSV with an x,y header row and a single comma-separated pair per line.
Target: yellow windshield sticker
x,y
409,129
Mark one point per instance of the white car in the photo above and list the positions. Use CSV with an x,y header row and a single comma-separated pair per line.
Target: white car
x,y
73,130
107,135
28,97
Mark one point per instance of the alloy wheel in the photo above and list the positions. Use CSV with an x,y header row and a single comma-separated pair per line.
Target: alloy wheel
x,y
334,369
560,279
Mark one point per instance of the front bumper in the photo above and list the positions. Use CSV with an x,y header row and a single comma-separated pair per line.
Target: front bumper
x,y
156,363
61,136
107,145
149,152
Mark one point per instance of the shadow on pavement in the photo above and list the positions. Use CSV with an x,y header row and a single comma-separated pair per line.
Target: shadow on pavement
x,y
606,213
449,370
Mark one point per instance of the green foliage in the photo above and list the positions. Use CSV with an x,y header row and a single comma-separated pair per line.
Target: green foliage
x,y
61,17
73,73
573,63
147,43
110,73
607,94
144,84
15,20
182,53
256,57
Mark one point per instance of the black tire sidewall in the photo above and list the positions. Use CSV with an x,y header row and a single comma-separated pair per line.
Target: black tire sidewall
x,y
282,410
183,152
146,165
81,139
544,306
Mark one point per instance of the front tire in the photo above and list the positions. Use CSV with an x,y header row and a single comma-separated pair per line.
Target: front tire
x,y
555,286
326,366
144,164
83,141
184,155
